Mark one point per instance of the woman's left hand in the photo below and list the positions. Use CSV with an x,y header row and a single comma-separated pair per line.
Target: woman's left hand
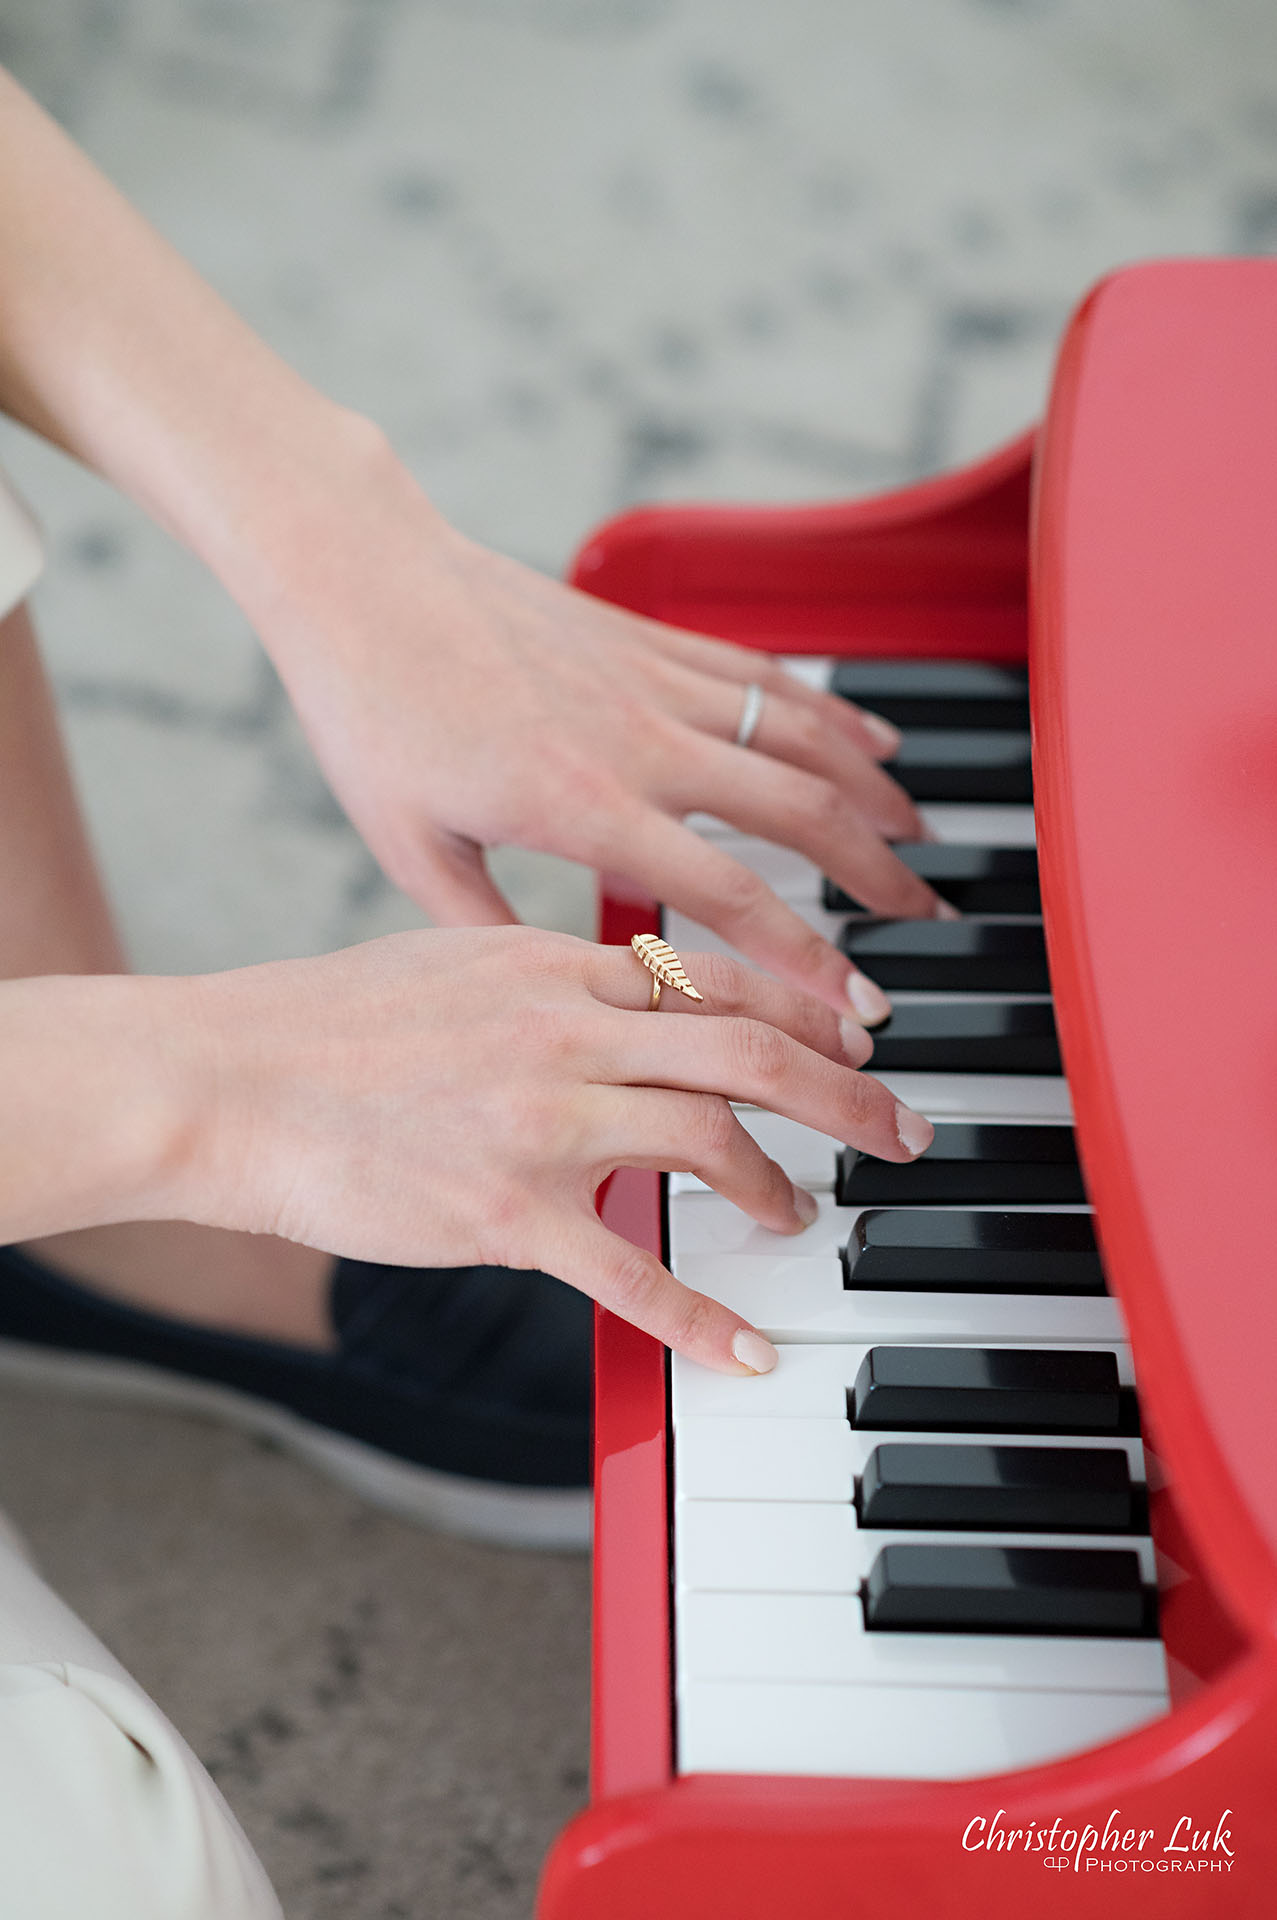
x,y
458,700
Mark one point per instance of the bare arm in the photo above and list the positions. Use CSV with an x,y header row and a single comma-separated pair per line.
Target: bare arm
x,y
432,1099
455,699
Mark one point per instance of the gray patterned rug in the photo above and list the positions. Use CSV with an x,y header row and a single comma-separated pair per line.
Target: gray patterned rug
x,y
572,253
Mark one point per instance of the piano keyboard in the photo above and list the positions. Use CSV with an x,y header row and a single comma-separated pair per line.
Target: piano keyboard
x,y
918,1548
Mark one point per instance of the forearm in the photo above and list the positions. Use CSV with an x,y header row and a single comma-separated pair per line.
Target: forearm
x,y
91,1119
113,347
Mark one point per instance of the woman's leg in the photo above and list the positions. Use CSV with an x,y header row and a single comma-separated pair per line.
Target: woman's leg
x,y
55,919
83,1751
104,1809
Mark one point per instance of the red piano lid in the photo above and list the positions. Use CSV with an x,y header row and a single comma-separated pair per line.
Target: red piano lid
x,y
1155,711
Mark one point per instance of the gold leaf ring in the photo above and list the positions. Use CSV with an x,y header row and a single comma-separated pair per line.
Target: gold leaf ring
x,y
665,967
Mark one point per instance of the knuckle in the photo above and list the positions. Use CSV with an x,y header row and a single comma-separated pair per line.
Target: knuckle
x,y
587,826
539,953
894,808
760,1051
718,978
738,892
810,950
690,1327
866,1100
713,1126
809,731
904,895
825,809
773,1185
635,1281
548,1030
769,671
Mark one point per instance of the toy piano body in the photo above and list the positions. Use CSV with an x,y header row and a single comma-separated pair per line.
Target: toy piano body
x,y
804,1702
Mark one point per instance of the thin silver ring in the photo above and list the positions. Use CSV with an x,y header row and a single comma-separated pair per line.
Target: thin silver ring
x,y
750,714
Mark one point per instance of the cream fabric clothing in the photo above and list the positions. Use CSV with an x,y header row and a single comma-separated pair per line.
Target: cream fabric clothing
x,y
21,549
104,1809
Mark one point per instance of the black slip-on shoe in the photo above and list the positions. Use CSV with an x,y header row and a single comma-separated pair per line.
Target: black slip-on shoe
x,y
457,1396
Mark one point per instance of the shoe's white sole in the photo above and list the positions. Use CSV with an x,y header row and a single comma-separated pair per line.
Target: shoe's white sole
x,y
551,1518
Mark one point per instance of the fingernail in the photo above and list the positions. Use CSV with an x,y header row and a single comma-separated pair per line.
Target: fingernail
x,y
945,910
884,736
806,1205
916,1133
856,1043
759,1355
870,1002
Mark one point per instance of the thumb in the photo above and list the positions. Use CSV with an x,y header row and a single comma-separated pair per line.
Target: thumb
x,y
447,877
633,1283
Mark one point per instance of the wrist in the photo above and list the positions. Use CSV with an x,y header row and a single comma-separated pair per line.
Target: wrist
x,y
96,1118
297,537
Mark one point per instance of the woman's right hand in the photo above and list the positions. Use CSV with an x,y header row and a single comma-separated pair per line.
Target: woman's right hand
x,y
457,1097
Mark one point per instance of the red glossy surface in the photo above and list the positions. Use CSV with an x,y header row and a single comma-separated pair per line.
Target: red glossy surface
x,y
1155,699
631,1739
726,1847
938,568
1156,714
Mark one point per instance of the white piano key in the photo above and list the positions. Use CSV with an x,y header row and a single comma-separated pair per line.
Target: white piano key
x,y
792,875
903,1733
807,1156
965,823
707,1223
800,881
764,1470
756,1546
734,1459
795,1546
822,1636
704,1222
815,670
794,1299
981,1096
773,1545
980,825
808,1382
941,1096
806,1460
810,1157
689,937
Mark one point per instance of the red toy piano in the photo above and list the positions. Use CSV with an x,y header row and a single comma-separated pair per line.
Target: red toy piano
x,y
973,1601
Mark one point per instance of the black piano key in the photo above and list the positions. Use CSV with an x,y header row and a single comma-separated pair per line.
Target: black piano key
x,y
950,956
1015,1489
1066,1590
937,693
977,765
982,1037
916,1250
968,1163
987,1390
974,879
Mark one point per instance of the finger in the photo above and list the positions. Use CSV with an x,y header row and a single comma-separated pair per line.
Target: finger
x,y
778,794
803,736
446,876
779,803
747,1060
632,1283
686,1131
722,660
617,976
673,864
